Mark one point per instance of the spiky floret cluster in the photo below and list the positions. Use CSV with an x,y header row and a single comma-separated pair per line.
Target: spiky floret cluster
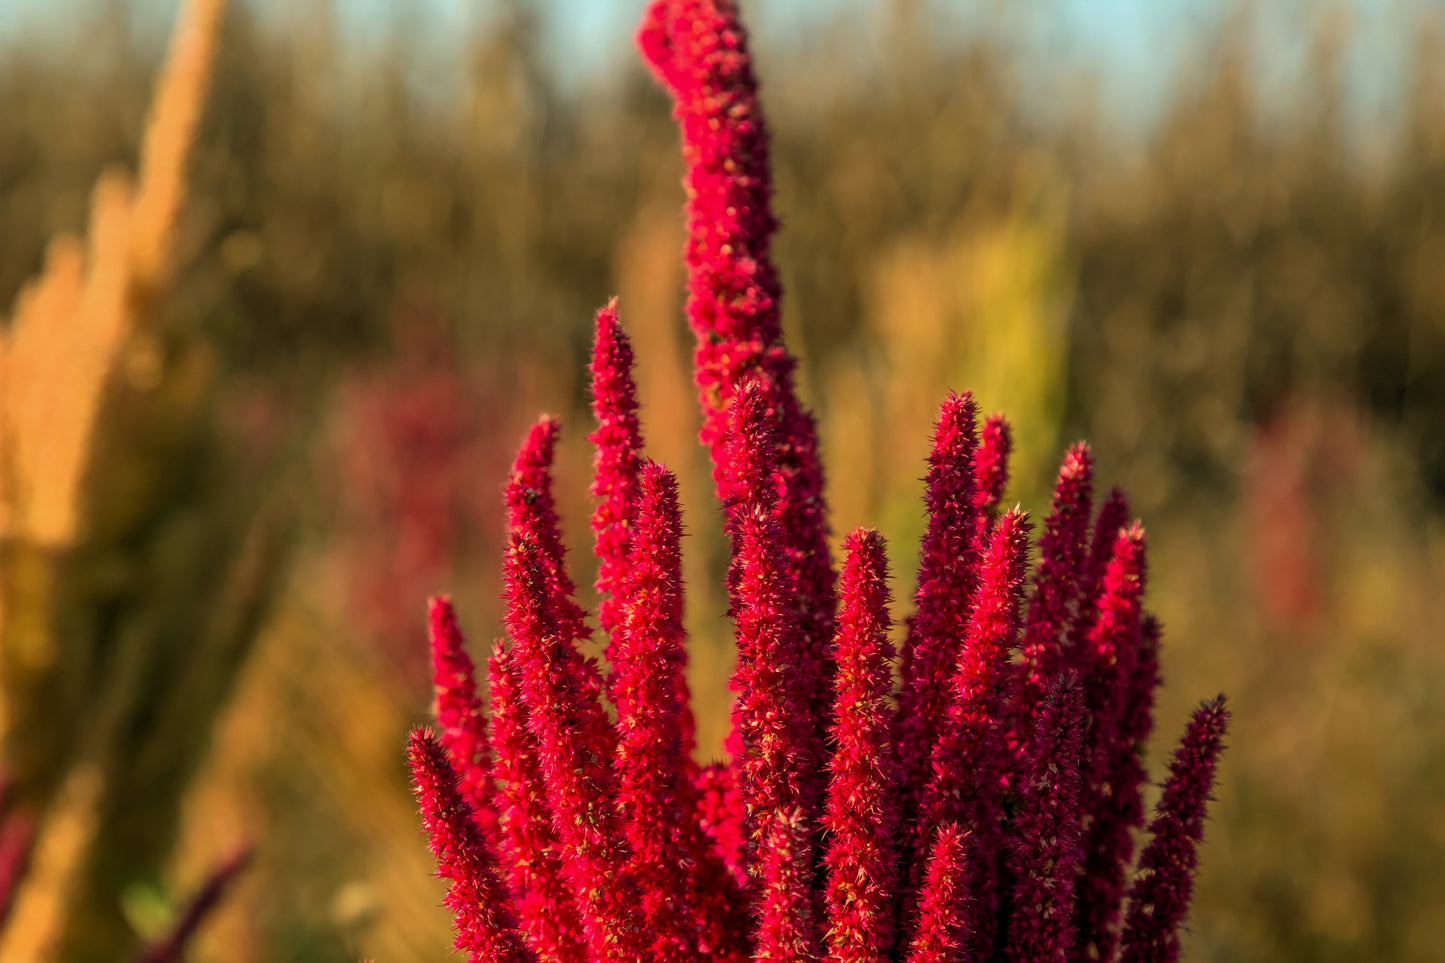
x,y
982,807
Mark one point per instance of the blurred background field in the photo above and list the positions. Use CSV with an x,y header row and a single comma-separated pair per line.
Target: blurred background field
x,y
1229,278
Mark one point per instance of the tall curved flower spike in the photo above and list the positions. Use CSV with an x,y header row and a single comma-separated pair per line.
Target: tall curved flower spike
x,y
486,929
699,51
985,811
1160,897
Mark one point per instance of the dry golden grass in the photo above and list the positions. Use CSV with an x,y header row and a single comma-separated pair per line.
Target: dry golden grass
x,y
70,326
42,908
63,342
82,328
170,137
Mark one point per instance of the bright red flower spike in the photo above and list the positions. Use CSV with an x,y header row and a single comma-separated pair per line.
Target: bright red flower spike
x,y
1160,897
862,810
486,929
459,712
983,811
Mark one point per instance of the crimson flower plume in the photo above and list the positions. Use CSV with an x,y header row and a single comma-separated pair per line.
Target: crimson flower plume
x,y
862,810
967,765
699,51
545,902
1110,656
944,900
1062,555
1044,854
779,757
485,927
995,443
581,789
1113,515
459,711
532,514
1160,897
982,808
947,576
618,441
655,792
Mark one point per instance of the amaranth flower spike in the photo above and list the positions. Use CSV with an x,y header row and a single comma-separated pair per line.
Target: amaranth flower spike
x,y
986,808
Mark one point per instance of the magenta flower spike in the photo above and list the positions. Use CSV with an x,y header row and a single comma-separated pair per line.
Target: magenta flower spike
x,y
1043,854
995,443
985,811
780,757
720,880
1127,774
1159,899
532,513
698,50
618,441
968,764
459,712
862,809
532,510
691,895
486,930
1113,515
1056,582
721,814
1112,645
721,906
1111,653
970,743
655,791
544,901
581,789
947,578
943,905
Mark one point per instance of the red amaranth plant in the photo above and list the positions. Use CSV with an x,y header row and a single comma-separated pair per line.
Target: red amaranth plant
x,y
983,808
410,435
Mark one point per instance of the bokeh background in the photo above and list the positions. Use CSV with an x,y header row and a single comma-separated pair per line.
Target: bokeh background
x,y
1206,235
